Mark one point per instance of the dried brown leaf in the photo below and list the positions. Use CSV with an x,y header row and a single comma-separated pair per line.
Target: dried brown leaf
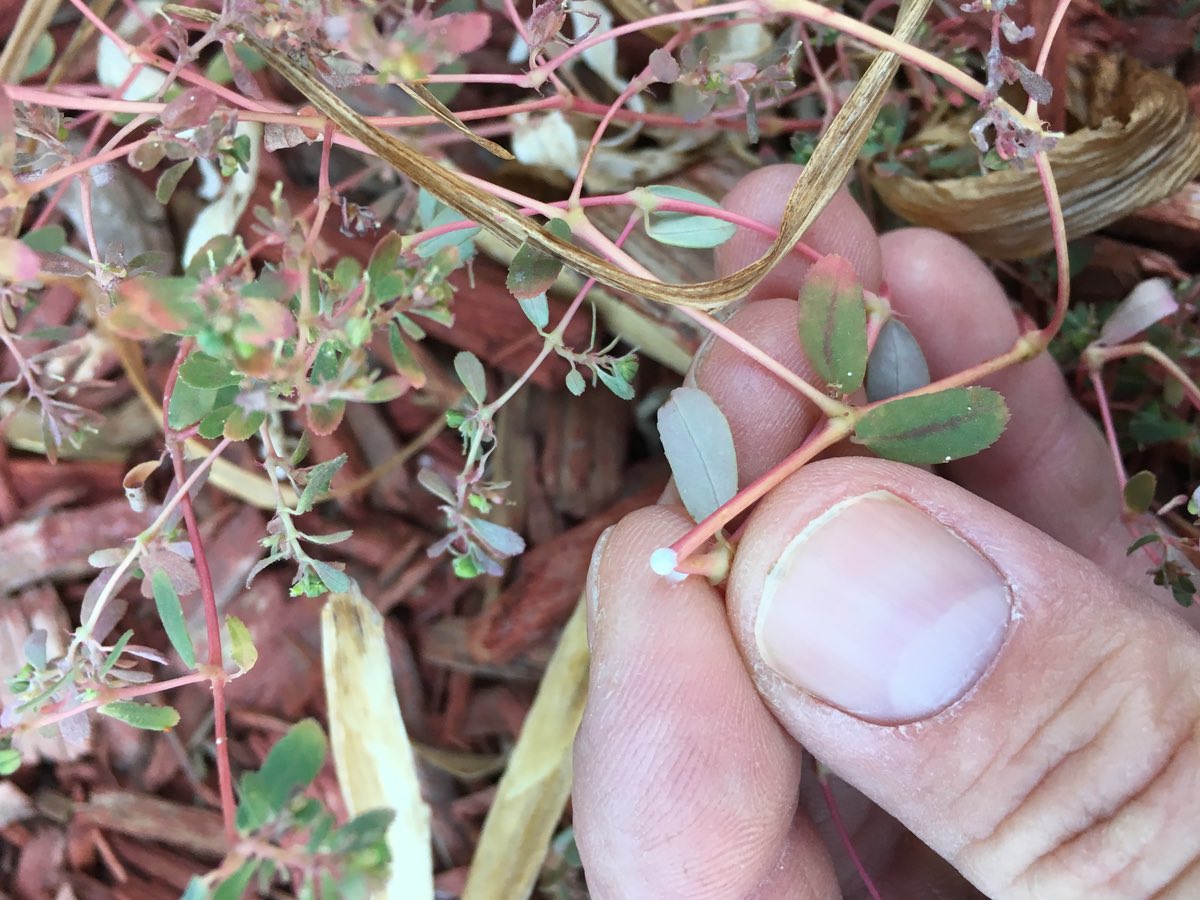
x,y
1141,144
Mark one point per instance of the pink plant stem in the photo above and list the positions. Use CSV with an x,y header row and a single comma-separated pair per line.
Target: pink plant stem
x,y
79,166
135,55
212,618
817,442
819,77
548,346
126,693
323,193
1058,227
1056,20
839,826
635,85
1110,432
1098,355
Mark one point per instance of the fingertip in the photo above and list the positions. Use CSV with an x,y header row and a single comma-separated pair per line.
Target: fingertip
x,y
842,228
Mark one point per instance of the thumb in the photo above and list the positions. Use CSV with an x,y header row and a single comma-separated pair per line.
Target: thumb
x,y
1030,718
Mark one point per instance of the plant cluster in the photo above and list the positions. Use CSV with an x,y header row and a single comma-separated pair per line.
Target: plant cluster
x,y
272,336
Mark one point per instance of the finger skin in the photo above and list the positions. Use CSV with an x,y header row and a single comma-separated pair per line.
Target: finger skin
x,y
1072,768
842,228
685,785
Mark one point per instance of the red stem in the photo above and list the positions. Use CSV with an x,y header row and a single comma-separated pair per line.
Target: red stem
x,y
212,618
840,827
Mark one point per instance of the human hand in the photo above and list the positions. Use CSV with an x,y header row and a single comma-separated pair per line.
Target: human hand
x,y
977,656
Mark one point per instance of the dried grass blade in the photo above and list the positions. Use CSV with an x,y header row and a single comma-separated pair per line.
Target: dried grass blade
x,y
830,163
534,789
425,97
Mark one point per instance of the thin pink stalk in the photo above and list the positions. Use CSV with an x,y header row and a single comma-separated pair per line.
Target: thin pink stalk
x,y
79,166
819,441
212,616
1058,227
1095,356
839,827
1056,20
548,346
127,693
1110,432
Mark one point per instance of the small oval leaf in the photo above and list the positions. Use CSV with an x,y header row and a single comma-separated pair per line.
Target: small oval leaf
x,y
293,763
171,613
471,374
1139,491
141,715
681,229
934,428
896,365
533,271
699,446
241,644
833,323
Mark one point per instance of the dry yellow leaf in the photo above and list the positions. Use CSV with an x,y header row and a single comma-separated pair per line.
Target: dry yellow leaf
x,y
1140,144
371,751
534,789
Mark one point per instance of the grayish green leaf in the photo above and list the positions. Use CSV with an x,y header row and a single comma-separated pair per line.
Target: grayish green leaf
x,y
678,229
317,485
699,446
897,364
471,374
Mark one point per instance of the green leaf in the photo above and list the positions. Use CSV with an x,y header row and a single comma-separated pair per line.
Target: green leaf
x,y
501,539
362,831
537,310
234,887
576,383
1142,542
214,255
115,653
462,237
317,485
203,371
699,446
241,644
1139,491
324,418
254,807
293,763
406,364
934,428
10,761
337,581
242,424
678,229
197,889
833,323
532,270
471,374
45,240
170,611
189,404
616,384
169,180
141,715
385,258
40,56
213,425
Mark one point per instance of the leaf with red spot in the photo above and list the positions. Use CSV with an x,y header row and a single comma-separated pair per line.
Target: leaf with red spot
x,y
833,323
